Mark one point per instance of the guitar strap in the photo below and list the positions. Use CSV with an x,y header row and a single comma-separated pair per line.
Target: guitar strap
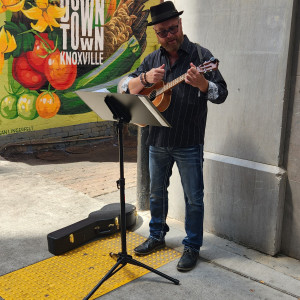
x,y
199,53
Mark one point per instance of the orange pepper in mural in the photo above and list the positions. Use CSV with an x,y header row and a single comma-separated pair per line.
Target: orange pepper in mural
x,y
110,8
47,104
7,44
45,14
12,5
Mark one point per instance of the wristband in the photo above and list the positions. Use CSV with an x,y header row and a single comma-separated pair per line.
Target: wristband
x,y
147,83
142,80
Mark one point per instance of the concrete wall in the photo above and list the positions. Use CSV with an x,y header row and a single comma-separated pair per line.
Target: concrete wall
x,y
291,222
244,181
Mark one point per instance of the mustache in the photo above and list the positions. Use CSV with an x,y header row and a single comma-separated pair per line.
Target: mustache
x,y
171,39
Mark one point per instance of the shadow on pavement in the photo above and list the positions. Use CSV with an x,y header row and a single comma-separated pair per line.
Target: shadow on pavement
x,y
101,151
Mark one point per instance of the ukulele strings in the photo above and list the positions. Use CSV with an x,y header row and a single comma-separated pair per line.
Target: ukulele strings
x,y
181,78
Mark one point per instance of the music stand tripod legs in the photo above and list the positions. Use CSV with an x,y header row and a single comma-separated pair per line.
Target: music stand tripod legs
x,y
122,114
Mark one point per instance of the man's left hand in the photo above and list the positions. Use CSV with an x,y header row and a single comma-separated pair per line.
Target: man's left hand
x,y
196,79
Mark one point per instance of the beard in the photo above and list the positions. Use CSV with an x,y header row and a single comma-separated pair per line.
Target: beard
x,y
172,44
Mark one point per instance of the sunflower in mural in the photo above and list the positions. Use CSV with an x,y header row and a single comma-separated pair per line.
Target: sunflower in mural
x,y
11,5
7,44
45,14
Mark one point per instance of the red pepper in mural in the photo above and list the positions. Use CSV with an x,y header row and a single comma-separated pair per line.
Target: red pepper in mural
x,y
38,57
28,77
60,76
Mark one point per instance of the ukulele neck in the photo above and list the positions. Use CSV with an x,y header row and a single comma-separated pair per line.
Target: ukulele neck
x,y
173,83
208,66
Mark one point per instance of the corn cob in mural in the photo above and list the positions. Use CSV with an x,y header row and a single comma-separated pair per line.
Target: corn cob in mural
x,y
128,19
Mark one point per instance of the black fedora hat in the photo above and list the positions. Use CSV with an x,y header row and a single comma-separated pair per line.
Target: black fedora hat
x,y
163,12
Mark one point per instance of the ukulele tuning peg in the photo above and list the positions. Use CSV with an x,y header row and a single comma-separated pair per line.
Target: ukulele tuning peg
x,y
214,60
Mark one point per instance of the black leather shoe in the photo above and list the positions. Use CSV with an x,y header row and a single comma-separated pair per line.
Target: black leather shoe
x,y
188,260
149,246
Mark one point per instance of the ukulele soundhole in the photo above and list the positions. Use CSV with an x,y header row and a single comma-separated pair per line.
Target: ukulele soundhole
x,y
152,95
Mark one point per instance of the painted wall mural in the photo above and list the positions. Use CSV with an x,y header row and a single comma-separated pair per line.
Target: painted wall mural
x,y
51,49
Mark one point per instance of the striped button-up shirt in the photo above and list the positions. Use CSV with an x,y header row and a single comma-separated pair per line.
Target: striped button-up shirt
x,y
188,109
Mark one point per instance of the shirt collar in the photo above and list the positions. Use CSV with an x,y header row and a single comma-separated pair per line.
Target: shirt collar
x,y
185,44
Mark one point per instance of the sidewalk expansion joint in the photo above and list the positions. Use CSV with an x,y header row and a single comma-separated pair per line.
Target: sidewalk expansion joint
x,y
250,277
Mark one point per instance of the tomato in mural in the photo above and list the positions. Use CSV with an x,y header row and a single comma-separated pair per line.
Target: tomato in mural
x,y
8,106
24,73
47,104
26,105
60,76
38,56
55,48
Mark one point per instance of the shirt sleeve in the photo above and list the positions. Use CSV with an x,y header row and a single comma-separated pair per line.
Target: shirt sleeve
x,y
212,93
217,87
142,68
124,85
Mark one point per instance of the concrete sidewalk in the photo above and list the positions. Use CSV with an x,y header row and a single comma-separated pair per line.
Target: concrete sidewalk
x,y
37,199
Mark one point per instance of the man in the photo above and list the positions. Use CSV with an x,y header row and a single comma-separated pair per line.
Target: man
x,y
183,142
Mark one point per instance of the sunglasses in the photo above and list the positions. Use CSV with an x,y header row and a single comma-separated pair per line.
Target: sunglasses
x,y
164,33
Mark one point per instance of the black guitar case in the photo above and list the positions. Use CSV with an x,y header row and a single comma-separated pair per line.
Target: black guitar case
x,y
99,223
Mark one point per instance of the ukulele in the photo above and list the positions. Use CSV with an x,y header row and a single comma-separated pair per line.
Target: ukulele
x,y
160,92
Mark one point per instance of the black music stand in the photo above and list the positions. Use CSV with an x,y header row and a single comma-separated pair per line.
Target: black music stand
x,y
124,108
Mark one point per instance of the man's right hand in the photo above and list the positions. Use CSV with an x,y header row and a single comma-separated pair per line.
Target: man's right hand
x,y
156,74
153,76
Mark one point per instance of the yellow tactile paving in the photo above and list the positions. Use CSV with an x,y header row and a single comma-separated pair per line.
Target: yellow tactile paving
x,y
71,276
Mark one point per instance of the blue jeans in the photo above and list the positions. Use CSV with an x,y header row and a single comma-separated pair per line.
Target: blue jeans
x,y
189,161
